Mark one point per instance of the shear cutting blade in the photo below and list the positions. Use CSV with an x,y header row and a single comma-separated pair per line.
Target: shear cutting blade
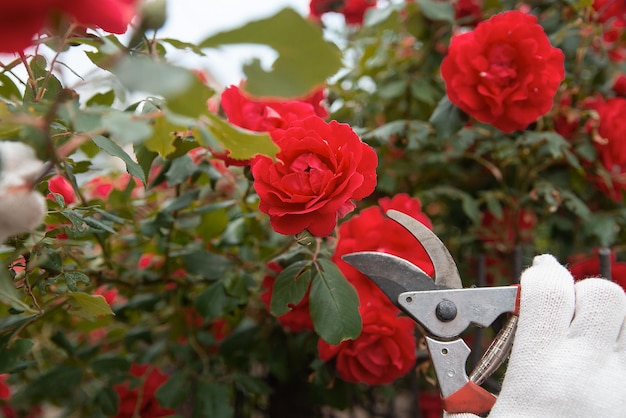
x,y
393,275
446,273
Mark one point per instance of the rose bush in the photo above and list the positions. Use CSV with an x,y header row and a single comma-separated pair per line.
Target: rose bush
x,y
171,246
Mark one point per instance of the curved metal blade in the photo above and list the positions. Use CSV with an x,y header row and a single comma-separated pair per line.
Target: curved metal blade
x,y
393,275
446,273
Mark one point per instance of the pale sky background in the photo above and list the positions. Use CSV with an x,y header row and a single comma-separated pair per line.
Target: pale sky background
x,y
194,20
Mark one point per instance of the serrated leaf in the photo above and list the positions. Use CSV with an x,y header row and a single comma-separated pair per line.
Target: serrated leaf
x,y
334,304
102,99
290,287
115,150
241,143
180,170
298,69
89,306
73,277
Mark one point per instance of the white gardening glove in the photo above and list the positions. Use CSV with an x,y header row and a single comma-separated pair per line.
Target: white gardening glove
x,y
569,353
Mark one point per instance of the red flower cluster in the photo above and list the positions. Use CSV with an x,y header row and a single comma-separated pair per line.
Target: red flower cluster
x,y
298,318
385,350
20,21
321,167
353,10
511,228
505,72
130,395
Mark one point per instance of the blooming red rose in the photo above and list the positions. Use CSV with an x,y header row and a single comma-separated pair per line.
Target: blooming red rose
x,y
298,318
610,10
383,352
21,21
372,230
319,170
353,10
582,267
60,185
505,72
151,379
259,115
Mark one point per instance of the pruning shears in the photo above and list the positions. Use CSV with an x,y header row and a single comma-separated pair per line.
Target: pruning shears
x,y
444,310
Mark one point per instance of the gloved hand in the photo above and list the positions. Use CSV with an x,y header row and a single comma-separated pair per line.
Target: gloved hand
x,y
569,353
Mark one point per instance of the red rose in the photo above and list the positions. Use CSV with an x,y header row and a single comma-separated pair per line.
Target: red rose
x,y
150,380
5,390
583,267
383,352
21,21
372,230
505,72
259,116
60,185
353,10
298,318
321,167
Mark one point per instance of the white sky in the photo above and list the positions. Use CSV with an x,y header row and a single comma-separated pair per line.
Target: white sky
x,y
194,20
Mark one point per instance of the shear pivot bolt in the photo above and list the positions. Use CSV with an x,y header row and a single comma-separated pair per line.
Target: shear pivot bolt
x,y
446,311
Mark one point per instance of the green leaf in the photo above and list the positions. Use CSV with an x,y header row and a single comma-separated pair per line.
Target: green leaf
x,y
124,127
164,133
89,306
242,144
206,264
8,89
13,354
10,295
437,10
251,385
7,126
109,364
212,400
58,382
290,287
145,158
305,59
447,118
174,391
214,302
334,304
115,150
102,99
72,277
180,170
183,92
108,400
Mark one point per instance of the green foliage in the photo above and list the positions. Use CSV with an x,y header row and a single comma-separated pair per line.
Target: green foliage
x,y
162,261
